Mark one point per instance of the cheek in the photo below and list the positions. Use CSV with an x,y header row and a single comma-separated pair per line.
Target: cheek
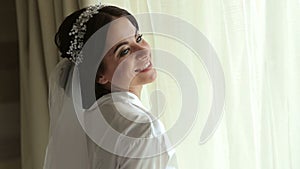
x,y
122,71
109,67
128,64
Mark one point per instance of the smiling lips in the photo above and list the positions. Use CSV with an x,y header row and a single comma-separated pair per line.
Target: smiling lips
x,y
145,68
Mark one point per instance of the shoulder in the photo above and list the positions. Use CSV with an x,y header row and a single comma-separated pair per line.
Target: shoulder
x,y
127,119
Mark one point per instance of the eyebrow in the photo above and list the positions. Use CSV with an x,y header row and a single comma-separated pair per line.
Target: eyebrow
x,y
119,45
124,43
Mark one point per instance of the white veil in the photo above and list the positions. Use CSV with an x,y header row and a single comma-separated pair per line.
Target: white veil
x,y
67,139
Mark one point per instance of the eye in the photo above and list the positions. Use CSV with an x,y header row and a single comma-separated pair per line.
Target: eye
x,y
139,38
124,52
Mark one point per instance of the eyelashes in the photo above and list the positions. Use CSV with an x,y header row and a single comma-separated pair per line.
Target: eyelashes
x,y
139,38
126,51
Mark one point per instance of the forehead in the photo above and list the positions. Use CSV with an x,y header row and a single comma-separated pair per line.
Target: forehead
x,y
118,30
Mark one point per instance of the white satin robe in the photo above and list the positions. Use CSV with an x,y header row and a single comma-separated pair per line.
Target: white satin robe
x,y
120,111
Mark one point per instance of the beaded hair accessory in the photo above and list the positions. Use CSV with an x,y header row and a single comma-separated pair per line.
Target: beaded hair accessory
x,y
78,31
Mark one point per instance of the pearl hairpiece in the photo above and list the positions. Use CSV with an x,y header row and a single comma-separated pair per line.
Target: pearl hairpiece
x,y
78,31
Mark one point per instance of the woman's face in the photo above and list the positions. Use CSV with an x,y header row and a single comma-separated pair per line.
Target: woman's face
x,y
128,59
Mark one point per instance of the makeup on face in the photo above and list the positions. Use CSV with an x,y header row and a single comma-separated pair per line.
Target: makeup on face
x,y
129,58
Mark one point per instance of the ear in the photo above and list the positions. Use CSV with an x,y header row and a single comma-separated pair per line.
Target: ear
x,y
102,80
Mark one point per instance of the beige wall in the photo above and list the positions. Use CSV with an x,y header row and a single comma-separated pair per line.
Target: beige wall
x,y
9,88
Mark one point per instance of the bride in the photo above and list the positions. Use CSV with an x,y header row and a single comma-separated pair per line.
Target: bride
x,y
97,118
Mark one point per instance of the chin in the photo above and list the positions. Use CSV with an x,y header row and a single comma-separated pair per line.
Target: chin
x,y
146,77
151,77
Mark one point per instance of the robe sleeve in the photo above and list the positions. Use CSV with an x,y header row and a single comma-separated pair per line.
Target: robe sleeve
x,y
120,116
159,161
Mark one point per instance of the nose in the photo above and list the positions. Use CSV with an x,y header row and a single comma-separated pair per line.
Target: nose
x,y
140,46
142,52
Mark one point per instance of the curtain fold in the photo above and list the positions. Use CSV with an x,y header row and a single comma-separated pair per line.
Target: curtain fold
x,y
38,21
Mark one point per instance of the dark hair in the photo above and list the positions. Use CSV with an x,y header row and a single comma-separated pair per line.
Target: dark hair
x,y
106,15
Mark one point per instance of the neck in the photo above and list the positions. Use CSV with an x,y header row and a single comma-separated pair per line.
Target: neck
x,y
136,90
132,89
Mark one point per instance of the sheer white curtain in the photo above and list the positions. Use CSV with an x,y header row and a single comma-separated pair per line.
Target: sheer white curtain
x,y
257,43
